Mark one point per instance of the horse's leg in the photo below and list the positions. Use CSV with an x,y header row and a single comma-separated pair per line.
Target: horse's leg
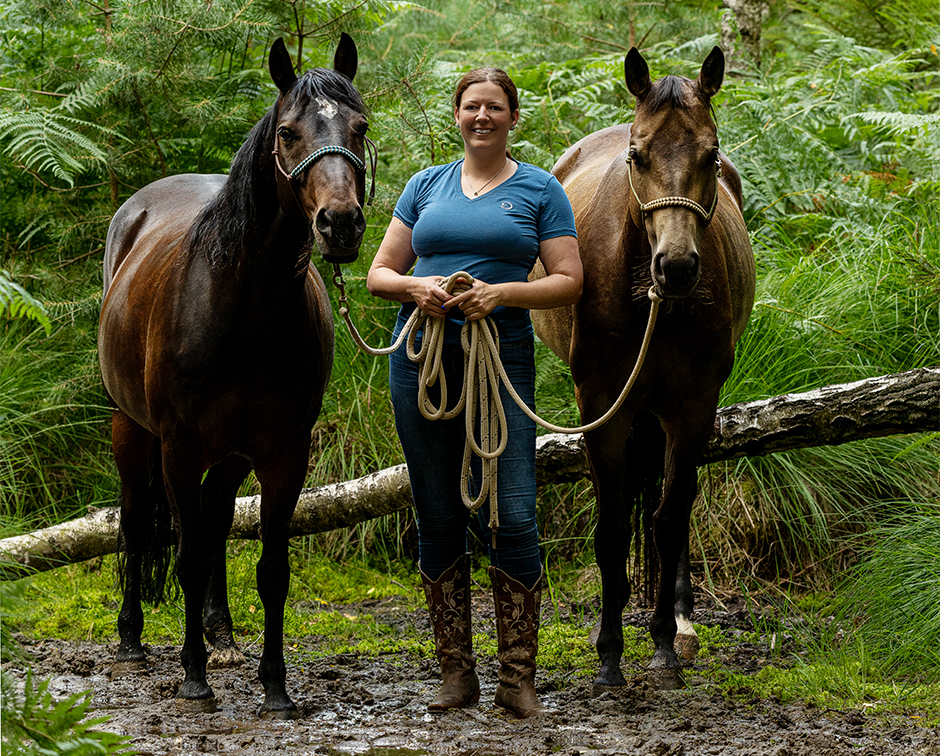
x,y
612,538
684,444
218,508
182,474
132,445
687,643
280,488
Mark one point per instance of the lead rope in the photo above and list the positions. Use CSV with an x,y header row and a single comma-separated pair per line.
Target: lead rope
x,y
483,370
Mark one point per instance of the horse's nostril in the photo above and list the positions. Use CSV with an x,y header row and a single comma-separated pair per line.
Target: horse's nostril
x,y
658,266
324,221
676,272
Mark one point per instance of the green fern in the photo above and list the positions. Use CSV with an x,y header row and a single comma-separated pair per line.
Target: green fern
x,y
35,723
16,302
50,141
898,123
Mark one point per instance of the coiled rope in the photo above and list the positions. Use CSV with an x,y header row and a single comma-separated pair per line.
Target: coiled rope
x,y
479,395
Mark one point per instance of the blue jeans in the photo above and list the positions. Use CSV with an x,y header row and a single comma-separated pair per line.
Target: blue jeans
x,y
434,453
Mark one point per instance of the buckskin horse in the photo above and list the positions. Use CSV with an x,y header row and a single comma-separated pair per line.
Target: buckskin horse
x,y
657,206
216,344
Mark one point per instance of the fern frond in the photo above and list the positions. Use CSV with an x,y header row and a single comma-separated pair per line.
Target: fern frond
x,y
85,97
898,123
16,302
34,722
50,141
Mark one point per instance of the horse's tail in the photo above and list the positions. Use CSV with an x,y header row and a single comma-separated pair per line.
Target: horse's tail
x,y
158,542
647,453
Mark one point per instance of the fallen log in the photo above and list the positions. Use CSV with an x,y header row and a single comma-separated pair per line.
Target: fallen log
x,y
883,406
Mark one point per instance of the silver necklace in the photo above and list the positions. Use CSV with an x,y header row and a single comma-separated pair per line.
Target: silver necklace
x,y
476,192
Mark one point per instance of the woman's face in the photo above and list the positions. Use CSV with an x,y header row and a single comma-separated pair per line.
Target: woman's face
x,y
484,116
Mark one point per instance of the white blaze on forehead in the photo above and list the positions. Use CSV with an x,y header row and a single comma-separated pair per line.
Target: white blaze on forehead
x,y
328,108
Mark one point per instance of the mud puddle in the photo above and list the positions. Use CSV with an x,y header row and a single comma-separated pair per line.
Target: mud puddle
x,y
376,707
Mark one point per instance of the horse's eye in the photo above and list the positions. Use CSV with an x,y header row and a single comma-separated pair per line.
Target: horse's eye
x,y
634,156
286,134
361,128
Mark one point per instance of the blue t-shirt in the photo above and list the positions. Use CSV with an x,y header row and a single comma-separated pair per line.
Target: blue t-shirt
x,y
494,237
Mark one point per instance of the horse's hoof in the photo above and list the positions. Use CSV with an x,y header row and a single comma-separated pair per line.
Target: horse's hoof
x,y
197,705
225,658
609,680
664,658
128,668
665,679
280,714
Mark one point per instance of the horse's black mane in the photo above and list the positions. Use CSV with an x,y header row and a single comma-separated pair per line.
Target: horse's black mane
x,y
221,229
673,92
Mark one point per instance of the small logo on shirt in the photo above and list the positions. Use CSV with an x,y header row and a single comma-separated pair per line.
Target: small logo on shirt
x,y
505,205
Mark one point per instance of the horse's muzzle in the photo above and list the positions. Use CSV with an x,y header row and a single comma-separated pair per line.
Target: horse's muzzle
x,y
675,276
340,233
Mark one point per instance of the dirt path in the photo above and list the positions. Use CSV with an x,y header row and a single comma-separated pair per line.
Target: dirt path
x,y
376,707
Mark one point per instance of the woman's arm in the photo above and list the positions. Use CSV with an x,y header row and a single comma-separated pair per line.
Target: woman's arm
x,y
388,276
560,286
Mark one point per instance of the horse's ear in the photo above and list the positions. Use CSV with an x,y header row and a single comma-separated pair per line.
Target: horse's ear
x,y
636,73
712,73
281,67
346,59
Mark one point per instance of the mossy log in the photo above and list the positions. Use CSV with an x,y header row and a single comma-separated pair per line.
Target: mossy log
x,y
887,405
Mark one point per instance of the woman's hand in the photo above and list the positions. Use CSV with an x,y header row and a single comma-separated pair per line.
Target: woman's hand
x,y
478,301
430,296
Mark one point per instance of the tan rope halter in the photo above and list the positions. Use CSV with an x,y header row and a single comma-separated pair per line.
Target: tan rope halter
x,y
648,207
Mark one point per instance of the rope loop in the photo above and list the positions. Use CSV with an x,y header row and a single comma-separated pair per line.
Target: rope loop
x,y
479,396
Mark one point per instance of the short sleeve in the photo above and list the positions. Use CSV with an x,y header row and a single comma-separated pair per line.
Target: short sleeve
x,y
406,209
556,218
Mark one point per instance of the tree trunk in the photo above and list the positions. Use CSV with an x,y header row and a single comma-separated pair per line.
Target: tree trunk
x,y
741,21
884,406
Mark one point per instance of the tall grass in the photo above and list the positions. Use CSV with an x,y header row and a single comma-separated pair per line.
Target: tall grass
x,y
54,451
860,302
889,604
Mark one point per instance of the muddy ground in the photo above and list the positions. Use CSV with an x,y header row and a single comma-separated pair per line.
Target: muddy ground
x,y
377,707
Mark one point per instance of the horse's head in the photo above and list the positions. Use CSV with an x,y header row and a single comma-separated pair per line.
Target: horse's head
x,y
320,149
674,165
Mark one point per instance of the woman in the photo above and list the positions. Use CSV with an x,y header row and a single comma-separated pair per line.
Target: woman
x,y
490,216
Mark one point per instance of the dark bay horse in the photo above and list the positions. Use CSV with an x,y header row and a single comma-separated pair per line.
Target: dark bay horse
x,y
216,345
657,205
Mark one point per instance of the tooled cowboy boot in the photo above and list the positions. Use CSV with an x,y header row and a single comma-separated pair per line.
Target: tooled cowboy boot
x,y
517,632
449,607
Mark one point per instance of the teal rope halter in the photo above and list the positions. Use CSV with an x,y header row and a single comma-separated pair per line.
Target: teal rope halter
x,y
332,149
357,162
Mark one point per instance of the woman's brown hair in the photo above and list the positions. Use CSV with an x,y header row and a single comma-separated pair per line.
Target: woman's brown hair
x,y
496,75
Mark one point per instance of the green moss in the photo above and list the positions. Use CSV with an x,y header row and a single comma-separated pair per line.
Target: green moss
x,y
566,647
